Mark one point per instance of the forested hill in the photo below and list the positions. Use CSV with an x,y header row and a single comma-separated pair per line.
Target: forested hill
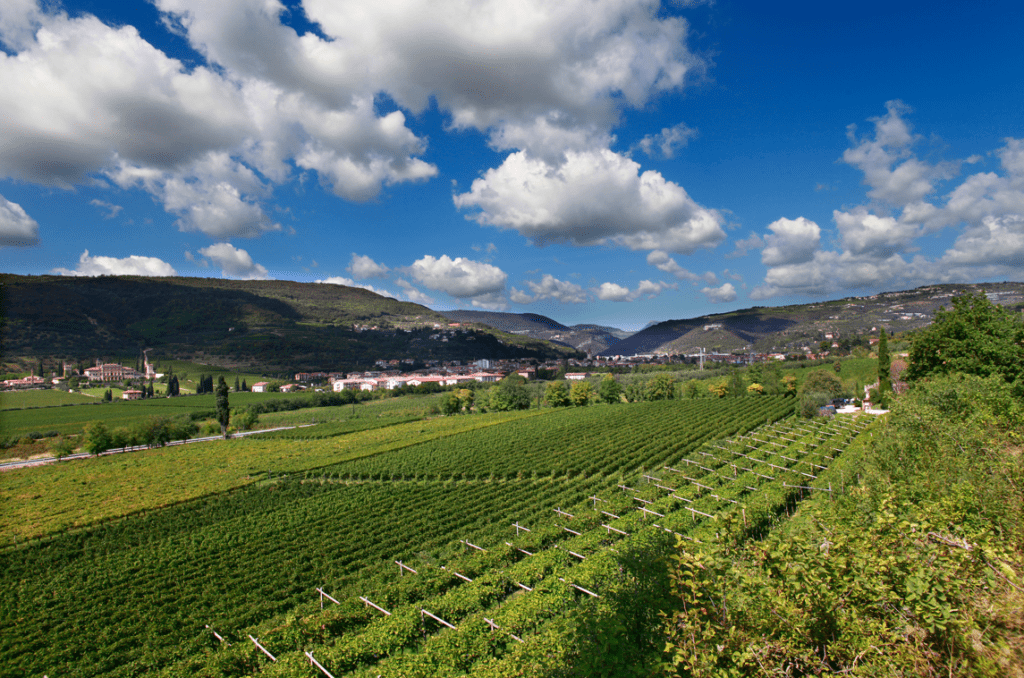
x,y
790,328
269,323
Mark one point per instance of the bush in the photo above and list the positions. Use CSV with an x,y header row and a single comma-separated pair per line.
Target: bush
x,y
811,403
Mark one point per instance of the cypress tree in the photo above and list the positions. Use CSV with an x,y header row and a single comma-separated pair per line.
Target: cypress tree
x,y
223,411
236,385
244,387
884,363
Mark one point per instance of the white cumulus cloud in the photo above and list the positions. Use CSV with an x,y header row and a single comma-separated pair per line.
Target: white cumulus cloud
x,y
594,197
666,142
550,287
791,241
461,278
234,262
132,265
362,267
610,291
17,228
663,262
718,295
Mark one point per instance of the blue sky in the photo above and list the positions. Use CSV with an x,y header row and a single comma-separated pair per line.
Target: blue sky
x,y
599,161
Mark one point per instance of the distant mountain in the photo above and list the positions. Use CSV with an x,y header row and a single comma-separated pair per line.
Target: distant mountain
x,y
588,338
276,325
791,328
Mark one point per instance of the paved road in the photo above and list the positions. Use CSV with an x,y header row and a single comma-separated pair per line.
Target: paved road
x,y
22,463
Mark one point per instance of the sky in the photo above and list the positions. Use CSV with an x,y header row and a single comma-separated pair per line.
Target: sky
x,y
613,162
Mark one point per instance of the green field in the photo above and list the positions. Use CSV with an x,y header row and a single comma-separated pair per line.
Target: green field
x,y
16,400
266,544
72,419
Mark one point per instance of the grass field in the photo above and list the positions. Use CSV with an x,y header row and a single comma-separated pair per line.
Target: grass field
x,y
47,499
72,419
16,400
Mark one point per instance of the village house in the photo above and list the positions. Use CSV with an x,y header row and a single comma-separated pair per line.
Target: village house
x,y
260,387
131,394
111,372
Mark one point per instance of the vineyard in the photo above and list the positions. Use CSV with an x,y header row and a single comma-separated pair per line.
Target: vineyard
x,y
510,549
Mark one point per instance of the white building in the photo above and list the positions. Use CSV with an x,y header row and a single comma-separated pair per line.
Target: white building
x,y
260,387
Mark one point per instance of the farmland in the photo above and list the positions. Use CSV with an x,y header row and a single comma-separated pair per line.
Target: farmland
x,y
242,553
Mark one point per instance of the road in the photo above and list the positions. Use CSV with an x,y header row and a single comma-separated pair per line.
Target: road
x,y
23,463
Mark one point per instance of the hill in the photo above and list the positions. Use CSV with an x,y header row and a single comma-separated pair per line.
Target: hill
x,y
791,328
277,325
588,338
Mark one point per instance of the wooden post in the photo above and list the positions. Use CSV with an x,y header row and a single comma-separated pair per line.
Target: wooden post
x,y
596,499
460,576
317,664
218,636
402,568
572,531
609,529
323,595
435,618
373,605
519,527
473,545
579,588
611,515
567,515
263,649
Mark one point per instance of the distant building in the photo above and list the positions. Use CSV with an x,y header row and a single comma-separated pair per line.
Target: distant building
x,y
131,394
111,372
260,387
576,376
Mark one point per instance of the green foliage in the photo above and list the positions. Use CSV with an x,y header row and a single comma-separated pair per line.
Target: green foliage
x,y
736,387
556,394
811,403
975,337
609,391
884,363
822,381
223,409
694,388
96,438
509,394
661,387
580,393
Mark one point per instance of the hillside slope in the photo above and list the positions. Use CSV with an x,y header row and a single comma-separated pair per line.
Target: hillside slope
x,y
790,328
273,324
588,338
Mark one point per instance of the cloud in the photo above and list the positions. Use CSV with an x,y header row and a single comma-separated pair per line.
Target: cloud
x,y
112,210
133,265
753,242
348,282
595,197
412,294
610,291
363,267
550,287
792,241
666,142
459,277
986,207
863,232
663,262
234,262
894,177
718,295
216,195
17,228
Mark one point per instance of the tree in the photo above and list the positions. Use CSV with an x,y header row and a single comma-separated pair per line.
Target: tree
x,y
975,337
108,396
96,438
61,447
789,383
822,381
244,387
662,387
884,363
755,389
237,389
510,394
736,385
557,394
223,411
693,388
450,404
610,390
580,393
